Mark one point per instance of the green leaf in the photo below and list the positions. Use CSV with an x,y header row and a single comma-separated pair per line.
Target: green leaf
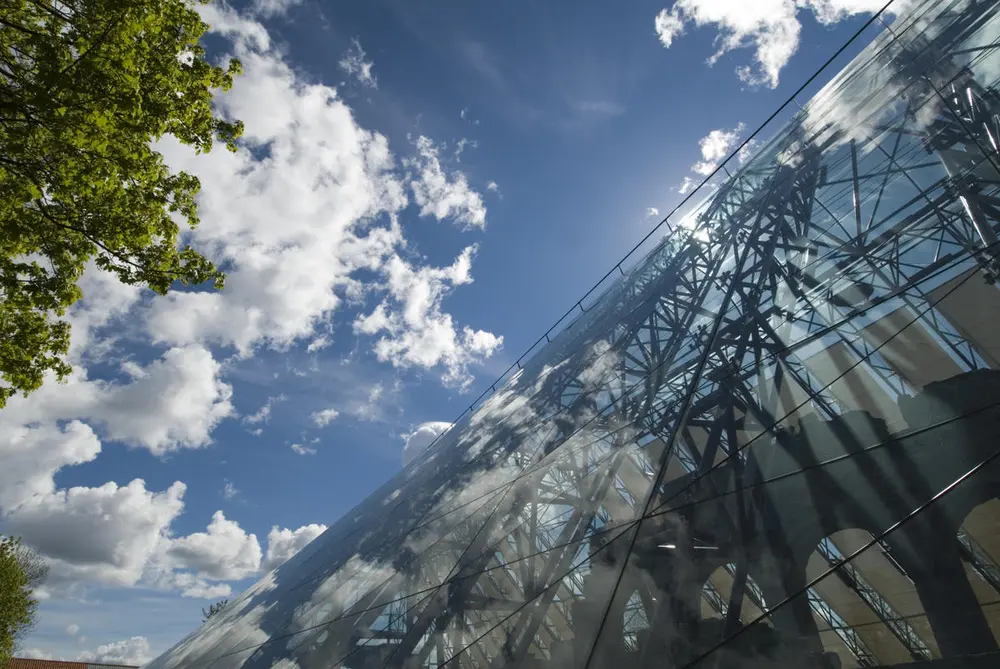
x,y
102,87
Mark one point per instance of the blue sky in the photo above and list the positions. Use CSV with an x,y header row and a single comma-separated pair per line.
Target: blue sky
x,y
423,189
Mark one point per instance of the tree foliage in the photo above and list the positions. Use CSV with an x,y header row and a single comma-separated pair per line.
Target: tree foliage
x,y
86,88
213,609
21,571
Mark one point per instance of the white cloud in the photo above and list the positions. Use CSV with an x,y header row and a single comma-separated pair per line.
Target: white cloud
x,y
284,543
318,344
105,534
194,587
236,26
263,415
134,651
272,8
416,333
72,629
32,455
770,27
324,417
172,403
443,196
715,146
333,186
224,552
354,64
325,179
652,212
668,25
229,491
422,437
121,536
176,403
303,450
105,299
492,186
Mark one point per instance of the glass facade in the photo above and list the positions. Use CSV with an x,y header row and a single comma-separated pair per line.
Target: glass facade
x,y
773,442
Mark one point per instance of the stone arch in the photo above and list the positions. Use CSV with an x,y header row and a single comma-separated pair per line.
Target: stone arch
x,y
868,610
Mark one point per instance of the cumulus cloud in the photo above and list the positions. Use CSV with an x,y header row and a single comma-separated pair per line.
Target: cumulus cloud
x,y
32,455
324,417
318,344
109,534
335,188
492,186
105,300
175,402
668,25
198,564
134,651
171,403
770,27
423,436
224,552
121,536
442,195
194,587
715,146
284,543
652,212
72,629
415,331
106,534
353,63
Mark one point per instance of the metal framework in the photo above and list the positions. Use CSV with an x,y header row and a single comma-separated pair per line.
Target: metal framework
x,y
761,446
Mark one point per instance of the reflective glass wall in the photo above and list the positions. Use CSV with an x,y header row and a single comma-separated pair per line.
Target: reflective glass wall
x,y
774,442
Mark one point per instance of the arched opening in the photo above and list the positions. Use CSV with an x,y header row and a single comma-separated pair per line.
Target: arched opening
x,y
979,545
867,610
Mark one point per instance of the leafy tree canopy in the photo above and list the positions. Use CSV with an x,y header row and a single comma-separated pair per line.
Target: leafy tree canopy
x,y
213,609
21,571
86,87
